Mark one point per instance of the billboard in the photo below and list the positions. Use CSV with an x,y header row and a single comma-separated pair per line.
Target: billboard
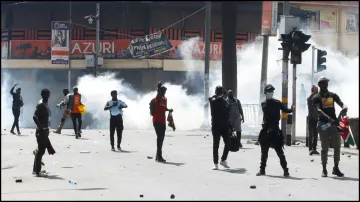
x,y
269,18
60,42
114,49
4,49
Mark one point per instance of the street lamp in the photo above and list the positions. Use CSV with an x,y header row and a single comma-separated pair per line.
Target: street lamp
x,y
97,45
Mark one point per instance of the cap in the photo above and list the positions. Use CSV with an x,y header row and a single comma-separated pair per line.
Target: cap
x,y
268,87
322,79
75,88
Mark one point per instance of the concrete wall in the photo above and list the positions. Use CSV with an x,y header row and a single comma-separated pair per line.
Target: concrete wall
x,y
348,43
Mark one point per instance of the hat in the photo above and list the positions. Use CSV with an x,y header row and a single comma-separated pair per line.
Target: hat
x,y
323,78
268,87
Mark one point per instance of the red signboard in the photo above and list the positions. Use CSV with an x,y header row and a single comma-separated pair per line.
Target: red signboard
x,y
111,49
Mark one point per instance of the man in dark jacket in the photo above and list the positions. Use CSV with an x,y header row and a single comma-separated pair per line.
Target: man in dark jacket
x,y
17,104
236,114
220,126
312,122
271,135
327,125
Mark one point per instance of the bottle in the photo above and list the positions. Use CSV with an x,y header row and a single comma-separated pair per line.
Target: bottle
x,y
72,182
325,126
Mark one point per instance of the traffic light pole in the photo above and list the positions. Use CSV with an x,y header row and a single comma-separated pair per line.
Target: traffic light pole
x,y
293,128
312,65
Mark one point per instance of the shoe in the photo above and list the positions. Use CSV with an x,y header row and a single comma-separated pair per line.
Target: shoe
x,y
160,159
112,149
311,152
286,172
34,173
19,133
324,173
337,172
12,132
216,167
41,174
76,136
57,131
79,134
224,163
240,145
316,152
261,172
119,148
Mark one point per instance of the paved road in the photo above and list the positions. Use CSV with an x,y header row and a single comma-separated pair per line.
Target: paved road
x,y
106,175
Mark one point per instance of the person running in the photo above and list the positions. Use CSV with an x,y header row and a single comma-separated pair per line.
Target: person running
x,y
159,120
41,118
73,101
116,121
16,106
66,112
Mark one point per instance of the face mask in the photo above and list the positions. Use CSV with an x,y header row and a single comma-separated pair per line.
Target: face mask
x,y
269,95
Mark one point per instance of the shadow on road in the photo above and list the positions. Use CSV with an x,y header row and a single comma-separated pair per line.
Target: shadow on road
x,y
169,136
194,135
91,189
245,148
124,151
235,170
9,167
289,178
54,177
67,167
83,189
174,164
346,178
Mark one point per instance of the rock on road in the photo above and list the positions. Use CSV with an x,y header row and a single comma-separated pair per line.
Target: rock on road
x,y
187,175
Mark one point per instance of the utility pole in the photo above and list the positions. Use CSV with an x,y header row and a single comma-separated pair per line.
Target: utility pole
x,y
70,49
312,64
293,127
264,62
285,76
97,45
207,62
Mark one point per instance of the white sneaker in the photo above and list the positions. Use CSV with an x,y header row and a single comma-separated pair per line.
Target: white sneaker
x,y
216,167
224,163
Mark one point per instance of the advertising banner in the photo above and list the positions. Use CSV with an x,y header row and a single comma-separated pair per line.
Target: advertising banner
x,y
269,18
350,23
327,20
114,49
4,49
154,44
60,42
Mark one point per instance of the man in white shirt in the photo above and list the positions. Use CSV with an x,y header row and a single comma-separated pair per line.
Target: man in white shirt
x,y
116,122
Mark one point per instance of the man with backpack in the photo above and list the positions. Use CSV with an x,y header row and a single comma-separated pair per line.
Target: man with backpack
x,y
158,108
236,114
73,101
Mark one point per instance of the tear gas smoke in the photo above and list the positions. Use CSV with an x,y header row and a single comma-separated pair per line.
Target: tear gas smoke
x,y
188,109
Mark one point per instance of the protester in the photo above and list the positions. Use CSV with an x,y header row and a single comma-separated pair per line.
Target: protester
x,y
312,120
220,126
271,135
73,101
236,114
115,107
327,124
42,119
159,119
66,112
16,105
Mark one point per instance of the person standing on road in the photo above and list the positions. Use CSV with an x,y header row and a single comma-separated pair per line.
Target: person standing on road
x,y
66,112
236,114
220,126
116,121
41,118
312,120
271,135
73,101
325,104
17,104
159,120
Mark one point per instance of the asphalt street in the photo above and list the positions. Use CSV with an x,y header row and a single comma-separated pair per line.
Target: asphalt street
x,y
133,173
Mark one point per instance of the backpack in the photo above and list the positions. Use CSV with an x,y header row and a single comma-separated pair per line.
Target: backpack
x,y
152,107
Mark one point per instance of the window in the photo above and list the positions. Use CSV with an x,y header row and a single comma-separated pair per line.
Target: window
x,y
352,23
323,20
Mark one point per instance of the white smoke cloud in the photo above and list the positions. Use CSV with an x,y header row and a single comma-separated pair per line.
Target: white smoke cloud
x,y
188,109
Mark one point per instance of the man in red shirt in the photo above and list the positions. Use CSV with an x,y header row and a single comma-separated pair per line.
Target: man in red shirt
x,y
73,101
159,120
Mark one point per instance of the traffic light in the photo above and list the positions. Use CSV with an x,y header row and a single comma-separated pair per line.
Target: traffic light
x,y
320,60
299,45
286,44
